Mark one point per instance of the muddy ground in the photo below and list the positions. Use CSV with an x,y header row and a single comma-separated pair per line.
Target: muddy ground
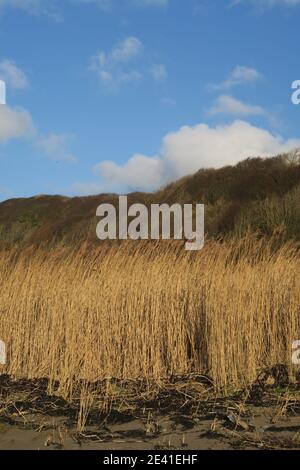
x,y
175,432
185,417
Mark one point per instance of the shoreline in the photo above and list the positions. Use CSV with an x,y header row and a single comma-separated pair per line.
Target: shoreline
x,y
264,419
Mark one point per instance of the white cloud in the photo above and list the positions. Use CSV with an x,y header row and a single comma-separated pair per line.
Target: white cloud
x,y
186,151
55,146
14,77
228,105
159,72
130,48
139,171
240,75
14,123
17,123
123,64
114,68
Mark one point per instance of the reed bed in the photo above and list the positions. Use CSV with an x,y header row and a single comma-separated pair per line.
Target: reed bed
x,y
149,311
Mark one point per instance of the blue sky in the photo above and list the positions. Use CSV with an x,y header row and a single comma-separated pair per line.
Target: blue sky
x,y
121,95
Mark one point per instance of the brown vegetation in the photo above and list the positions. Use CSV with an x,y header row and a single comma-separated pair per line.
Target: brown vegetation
x,y
145,311
260,194
88,317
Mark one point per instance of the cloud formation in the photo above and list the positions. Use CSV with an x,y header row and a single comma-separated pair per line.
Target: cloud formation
x,y
114,68
240,75
184,152
123,64
55,146
17,123
230,106
14,123
13,76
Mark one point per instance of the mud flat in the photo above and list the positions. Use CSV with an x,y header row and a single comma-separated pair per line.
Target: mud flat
x,y
265,417
174,432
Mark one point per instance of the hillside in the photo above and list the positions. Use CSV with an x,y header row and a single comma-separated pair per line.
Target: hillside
x,y
258,194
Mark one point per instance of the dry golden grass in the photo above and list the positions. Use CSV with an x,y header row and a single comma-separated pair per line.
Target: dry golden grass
x,y
141,310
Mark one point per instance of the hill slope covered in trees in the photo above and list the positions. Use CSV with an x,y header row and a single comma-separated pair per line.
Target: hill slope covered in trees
x,y
260,195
